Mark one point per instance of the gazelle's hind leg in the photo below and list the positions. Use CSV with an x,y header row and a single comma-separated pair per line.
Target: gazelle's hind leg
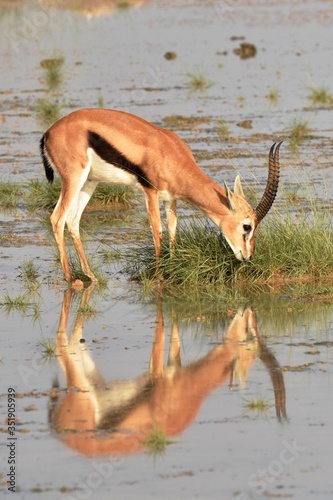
x,y
70,189
73,224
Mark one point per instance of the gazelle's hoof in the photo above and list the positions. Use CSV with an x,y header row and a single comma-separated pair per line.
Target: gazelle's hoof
x,y
77,285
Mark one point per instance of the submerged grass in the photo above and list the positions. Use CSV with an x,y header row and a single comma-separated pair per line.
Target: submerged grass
x,y
287,247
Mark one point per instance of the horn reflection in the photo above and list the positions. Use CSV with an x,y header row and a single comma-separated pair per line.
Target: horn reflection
x,y
96,417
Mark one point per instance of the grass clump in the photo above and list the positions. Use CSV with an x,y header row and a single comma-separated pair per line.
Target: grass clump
x,y
156,442
197,81
260,405
53,72
321,97
30,273
42,195
200,257
10,193
286,248
20,303
108,194
272,96
223,131
48,348
48,111
297,131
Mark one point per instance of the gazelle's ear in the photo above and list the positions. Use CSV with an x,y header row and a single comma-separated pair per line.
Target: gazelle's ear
x,y
238,187
230,196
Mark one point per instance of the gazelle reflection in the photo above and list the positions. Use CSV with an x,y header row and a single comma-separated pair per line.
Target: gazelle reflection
x,y
96,417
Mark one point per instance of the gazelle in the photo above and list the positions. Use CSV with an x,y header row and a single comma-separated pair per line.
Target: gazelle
x,y
97,417
90,146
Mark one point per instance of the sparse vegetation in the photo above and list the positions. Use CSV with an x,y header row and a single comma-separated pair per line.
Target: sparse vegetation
x,y
272,96
223,131
20,303
156,442
259,405
197,81
48,108
53,72
10,193
48,348
240,100
48,111
321,97
42,195
30,274
297,131
100,101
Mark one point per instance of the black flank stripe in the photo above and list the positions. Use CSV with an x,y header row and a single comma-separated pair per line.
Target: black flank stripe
x,y
111,155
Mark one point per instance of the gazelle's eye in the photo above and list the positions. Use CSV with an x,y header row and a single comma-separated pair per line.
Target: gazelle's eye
x,y
247,228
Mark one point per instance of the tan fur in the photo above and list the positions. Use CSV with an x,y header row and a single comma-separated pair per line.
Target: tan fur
x,y
165,160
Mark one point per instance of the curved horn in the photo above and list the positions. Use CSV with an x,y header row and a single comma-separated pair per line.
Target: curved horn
x,y
272,183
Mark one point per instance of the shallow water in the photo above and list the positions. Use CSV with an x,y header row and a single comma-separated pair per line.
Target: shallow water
x,y
219,448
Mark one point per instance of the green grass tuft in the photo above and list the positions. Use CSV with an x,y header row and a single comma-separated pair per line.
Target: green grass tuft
x,y
42,195
260,405
10,194
20,303
48,348
156,442
48,111
53,72
286,247
321,97
297,131
30,273
272,96
197,81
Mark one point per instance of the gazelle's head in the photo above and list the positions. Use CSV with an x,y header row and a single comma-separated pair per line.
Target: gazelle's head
x,y
240,226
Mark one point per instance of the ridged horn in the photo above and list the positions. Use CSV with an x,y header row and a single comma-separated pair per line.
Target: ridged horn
x,y
272,183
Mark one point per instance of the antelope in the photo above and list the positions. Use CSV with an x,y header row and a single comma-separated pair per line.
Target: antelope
x,y
95,145
96,417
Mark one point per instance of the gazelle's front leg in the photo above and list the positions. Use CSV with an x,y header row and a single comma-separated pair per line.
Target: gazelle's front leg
x,y
174,350
153,209
171,215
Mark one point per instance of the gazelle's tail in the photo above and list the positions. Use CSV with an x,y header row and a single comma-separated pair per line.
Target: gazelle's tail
x,y
49,172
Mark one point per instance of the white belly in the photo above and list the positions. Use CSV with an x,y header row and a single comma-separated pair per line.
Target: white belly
x,y
101,171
